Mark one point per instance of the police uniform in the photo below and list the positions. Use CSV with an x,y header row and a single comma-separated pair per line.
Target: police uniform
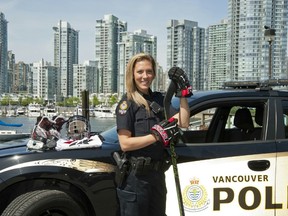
x,y
144,191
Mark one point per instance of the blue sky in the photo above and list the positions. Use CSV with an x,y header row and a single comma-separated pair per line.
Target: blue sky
x,y
30,22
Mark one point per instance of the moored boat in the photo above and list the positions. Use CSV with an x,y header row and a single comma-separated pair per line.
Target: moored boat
x,y
21,111
7,135
11,113
34,110
50,111
78,111
103,111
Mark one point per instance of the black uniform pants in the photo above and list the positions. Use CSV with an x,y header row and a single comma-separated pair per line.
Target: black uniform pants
x,y
143,195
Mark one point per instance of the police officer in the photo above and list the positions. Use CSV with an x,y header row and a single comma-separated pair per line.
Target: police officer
x,y
143,135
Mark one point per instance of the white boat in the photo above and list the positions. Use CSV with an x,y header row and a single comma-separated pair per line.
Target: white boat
x,y
7,135
103,111
78,111
11,113
34,110
50,111
21,111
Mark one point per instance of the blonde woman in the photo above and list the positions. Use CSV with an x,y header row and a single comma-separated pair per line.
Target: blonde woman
x,y
143,135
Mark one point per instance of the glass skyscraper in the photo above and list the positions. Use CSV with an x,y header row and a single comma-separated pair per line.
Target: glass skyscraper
x,y
132,43
185,49
216,55
248,50
65,55
3,54
106,51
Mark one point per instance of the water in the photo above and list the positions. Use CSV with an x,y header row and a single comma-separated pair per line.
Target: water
x,y
97,124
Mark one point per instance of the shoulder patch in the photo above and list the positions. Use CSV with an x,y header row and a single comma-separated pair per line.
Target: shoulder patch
x,y
123,107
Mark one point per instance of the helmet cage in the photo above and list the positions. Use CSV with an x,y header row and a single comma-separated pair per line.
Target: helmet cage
x,y
77,127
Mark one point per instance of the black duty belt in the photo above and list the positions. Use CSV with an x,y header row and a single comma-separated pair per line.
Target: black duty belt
x,y
143,165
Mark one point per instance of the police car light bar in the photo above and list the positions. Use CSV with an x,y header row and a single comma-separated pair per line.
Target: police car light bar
x,y
263,85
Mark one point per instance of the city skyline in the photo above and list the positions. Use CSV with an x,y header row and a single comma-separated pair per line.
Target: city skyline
x,y
30,22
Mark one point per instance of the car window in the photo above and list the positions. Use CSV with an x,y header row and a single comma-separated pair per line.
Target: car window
x,y
201,120
285,117
251,115
226,123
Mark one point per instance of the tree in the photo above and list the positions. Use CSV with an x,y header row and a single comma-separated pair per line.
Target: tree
x,y
25,101
39,101
95,101
71,101
5,101
112,100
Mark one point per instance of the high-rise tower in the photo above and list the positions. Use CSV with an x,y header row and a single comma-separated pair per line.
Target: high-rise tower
x,y
185,49
132,43
3,54
248,50
106,51
65,55
216,55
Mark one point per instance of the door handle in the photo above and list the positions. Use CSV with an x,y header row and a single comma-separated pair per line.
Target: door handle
x,y
259,165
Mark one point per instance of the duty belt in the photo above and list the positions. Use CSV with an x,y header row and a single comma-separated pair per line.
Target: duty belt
x,y
143,165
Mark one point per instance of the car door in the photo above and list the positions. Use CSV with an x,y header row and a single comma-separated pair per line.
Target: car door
x,y
219,174
281,197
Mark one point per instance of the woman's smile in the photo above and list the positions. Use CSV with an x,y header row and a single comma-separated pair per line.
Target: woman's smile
x,y
143,75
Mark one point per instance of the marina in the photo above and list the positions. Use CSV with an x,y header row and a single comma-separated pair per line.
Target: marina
x,y
35,110
25,118
97,124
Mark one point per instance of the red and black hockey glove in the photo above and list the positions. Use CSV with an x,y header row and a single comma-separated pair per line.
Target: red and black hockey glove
x,y
166,130
177,75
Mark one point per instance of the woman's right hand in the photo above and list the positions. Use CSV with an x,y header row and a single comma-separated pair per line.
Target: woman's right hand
x,y
166,130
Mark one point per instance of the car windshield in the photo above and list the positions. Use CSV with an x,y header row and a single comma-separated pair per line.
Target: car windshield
x,y
110,135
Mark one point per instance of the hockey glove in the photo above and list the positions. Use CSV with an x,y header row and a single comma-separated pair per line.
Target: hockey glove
x,y
166,130
177,75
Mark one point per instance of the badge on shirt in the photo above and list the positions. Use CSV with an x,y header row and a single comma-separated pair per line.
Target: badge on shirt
x,y
123,108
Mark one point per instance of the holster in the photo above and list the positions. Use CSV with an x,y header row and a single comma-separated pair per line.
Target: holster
x,y
144,165
122,169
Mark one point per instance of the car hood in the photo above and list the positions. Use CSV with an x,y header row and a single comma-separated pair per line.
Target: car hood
x,y
13,147
16,147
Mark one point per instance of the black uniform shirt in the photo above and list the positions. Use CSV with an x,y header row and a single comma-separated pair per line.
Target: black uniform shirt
x,y
138,121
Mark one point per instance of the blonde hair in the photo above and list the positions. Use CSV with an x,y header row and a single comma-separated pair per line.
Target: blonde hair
x,y
131,88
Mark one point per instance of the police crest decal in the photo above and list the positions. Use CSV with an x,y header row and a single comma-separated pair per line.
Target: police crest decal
x,y
123,108
195,197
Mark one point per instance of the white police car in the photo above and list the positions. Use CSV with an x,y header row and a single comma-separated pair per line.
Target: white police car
x,y
234,157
